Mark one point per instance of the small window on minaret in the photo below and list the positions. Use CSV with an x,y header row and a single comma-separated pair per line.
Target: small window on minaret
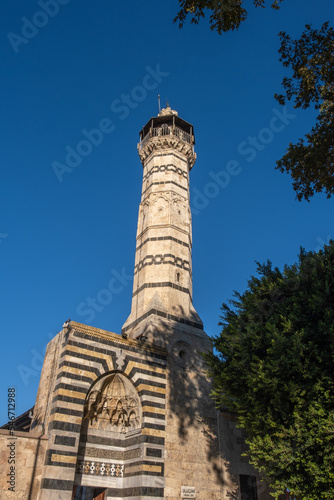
x,y
164,129
178,277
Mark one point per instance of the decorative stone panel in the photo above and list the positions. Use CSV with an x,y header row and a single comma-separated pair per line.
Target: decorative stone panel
x,y
113,405
100,468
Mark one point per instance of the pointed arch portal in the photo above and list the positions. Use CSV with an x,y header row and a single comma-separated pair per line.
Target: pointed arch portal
x,y
109,438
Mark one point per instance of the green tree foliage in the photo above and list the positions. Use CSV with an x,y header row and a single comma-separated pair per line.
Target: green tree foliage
x,y
311,59
273,365
225,15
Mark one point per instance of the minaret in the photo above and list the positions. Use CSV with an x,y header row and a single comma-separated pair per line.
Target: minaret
x,y
162,288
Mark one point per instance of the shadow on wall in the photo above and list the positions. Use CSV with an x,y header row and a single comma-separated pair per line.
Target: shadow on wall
x,y
190,406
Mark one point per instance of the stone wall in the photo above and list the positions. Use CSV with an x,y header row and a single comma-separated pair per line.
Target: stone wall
x,y
203,447
29,460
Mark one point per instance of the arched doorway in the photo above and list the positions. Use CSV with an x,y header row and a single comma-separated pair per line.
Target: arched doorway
x,y
110,438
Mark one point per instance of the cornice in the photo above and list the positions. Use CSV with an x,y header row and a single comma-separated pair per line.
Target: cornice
x,y
114,337
167,142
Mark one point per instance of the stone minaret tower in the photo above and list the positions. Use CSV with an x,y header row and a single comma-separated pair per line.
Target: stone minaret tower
x,y
162,289
162,312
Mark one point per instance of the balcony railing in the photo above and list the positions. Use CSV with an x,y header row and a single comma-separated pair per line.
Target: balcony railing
x,y
166,130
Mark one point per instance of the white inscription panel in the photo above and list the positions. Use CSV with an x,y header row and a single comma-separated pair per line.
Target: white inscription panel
x,y
188,492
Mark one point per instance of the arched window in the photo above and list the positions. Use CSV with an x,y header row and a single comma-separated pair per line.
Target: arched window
x,y
165,129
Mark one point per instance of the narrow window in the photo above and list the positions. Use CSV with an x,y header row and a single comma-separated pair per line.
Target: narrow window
x,y
248,488
165,129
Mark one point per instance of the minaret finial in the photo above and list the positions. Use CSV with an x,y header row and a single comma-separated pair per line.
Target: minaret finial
x,y
159,103
167,110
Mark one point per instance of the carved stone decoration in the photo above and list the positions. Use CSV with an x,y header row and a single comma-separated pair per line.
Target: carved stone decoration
x,y
153,198
180,209
167,142
114,405
177,199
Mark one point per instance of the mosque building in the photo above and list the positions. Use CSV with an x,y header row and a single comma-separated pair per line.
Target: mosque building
x,y
129,416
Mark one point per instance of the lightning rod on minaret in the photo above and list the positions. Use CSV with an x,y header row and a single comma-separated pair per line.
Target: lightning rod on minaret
x,y
159,102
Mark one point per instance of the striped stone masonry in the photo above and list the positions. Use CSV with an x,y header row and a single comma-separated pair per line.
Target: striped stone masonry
x,y
163,270
107,418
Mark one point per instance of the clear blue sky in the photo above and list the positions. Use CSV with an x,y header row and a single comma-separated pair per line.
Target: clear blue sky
x,y
60,242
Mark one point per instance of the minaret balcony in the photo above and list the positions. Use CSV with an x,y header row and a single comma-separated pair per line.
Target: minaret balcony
x,y
167,130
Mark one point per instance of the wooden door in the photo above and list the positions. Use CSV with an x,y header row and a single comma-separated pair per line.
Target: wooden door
x,y
88,493
97,495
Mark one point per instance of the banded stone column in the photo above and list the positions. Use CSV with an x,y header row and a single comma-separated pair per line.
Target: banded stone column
x,y
162,285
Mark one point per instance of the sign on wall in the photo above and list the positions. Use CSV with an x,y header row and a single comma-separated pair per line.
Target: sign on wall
x,y
188,492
